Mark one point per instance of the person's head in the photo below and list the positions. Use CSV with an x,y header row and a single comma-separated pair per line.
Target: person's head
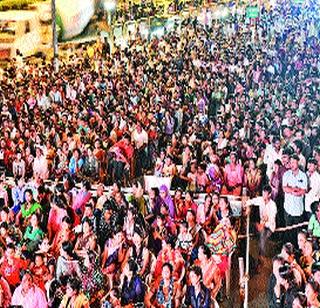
x,y
4,214
195,275
27,280
233,158
266,192
10,251
178,194
204,253
4,229
224,203
183,227
277,262
208,201
294,162
308,248
87,225
167,270
34,220
28,195
66,249
164,191
66,223
302,238
312,165
73,287
39,259
312,292
287,252
131,267
191,216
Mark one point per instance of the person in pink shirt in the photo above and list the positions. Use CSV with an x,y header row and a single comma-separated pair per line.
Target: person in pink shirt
x,y
233,177
28,295
5,293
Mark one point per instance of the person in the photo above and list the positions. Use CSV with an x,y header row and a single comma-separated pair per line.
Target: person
x,y
74,297
233,179
67,264
132,287
5,293
27,294
211,275
165,291
268,212
314,222
313,193
295,185
197,295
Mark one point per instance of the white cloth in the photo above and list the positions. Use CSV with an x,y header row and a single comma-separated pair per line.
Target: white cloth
x,y
314,192
268,211
270,156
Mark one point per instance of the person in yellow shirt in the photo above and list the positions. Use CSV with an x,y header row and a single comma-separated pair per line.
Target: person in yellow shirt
x,y
74,298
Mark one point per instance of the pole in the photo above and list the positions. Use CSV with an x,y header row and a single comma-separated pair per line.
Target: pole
x,y
54,37
246,286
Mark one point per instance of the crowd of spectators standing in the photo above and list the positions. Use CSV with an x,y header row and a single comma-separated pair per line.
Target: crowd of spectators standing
x,y
231,109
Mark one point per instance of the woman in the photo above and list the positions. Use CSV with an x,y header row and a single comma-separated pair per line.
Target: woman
x,y
154,204
33,235
214,174
224,209
210,271
167,200
164,292
206,215
132,287
19,166
252,179
93,282
130,223
67,264
312,294
56,214
233,177
65,234
114,256
87,240
30,206
140,254
74,298
197,295
4,199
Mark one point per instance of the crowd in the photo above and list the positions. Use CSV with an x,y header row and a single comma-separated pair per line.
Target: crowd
x,y
231,109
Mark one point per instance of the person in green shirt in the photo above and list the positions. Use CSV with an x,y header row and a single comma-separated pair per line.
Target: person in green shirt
x,y
314,222
33,234
30,206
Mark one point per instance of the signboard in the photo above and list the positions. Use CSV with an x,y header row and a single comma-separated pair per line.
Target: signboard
x,y
253,11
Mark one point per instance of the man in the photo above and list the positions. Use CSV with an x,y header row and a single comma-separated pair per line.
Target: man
x,y
139,138
313,193
294,185
268,212
40,165
272,153
28,294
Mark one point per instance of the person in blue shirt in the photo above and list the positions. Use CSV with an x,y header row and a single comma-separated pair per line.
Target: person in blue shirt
x,y
132,287
197,295
76,163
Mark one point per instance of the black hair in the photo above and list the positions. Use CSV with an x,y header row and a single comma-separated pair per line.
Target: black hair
x,y
74,283
67,247
169,266
206,251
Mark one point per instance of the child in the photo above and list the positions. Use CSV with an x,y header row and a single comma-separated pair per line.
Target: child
x,y
184,240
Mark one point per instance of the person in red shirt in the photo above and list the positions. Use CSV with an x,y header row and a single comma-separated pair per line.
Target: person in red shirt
x,y
11,265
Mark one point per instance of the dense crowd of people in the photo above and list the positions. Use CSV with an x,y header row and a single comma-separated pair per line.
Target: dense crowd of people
x,y
227,110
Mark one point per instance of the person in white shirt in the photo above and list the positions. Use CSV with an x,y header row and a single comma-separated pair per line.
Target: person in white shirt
x,y
313,193
268,212
272,153
40,165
